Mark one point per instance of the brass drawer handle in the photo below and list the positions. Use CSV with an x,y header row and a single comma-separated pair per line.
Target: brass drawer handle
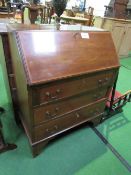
x,y
77,115
103,82
100,83
106,79
48,114
52,130
55,127
57,93
49,95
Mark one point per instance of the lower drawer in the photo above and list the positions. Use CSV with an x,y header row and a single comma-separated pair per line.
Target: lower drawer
x,y
66,122
54,110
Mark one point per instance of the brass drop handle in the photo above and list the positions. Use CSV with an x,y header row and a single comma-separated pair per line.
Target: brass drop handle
x,y
52,115
57,93
49,95
47,130
100,83
53,130
55,127
47,113
103,82
77,115
106,79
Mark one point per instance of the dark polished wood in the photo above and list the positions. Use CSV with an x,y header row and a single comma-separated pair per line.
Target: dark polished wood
x,y
62,83
38,69
117,9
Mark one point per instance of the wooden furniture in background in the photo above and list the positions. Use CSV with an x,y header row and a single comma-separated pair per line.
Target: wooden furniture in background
x,y
75,20
85,18
121,32
8,61
61,83
10,9
45,13
89,15
6,15
33,13
120,7
2,2
117,9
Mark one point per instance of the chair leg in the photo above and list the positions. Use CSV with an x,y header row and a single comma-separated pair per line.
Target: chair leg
x,y
4,146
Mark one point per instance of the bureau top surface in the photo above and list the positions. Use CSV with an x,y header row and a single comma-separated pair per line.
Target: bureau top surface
x,y
49,55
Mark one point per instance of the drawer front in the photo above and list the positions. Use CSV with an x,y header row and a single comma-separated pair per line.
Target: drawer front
x,y
54,110
68,121
70,87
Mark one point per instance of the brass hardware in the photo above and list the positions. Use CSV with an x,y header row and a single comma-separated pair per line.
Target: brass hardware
x,y
56,109
47,130
99,83
56,127
106,79
47,113
52,115
54,97
47,94
77,115
58,91
103,82
52,130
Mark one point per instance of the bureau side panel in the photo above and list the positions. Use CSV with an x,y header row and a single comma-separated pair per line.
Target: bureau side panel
x,y
21,84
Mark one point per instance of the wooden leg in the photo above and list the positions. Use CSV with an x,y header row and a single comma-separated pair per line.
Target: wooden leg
x,y
7,147
36,149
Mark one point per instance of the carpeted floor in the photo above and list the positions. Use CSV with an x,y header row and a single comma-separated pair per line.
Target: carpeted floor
x,y
80,152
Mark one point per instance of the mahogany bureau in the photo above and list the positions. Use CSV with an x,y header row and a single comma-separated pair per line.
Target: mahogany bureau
x,y
63,79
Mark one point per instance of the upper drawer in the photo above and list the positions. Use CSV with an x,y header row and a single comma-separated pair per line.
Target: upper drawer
x,y
72,86
56,126
61,107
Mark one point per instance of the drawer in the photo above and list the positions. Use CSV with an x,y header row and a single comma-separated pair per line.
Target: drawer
x,y
54,110
66,88
56,126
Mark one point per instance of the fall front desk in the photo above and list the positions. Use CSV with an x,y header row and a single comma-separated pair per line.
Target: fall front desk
x,y
63,79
